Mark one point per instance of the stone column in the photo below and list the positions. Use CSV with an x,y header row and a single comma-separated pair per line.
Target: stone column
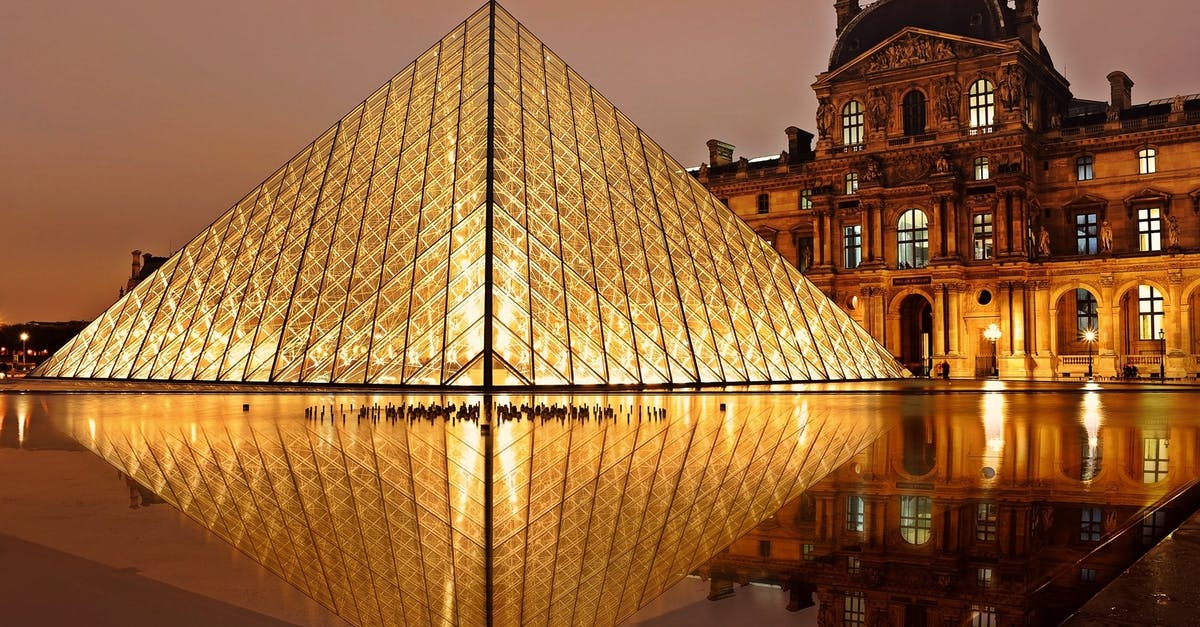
x,y
1018,317
940,321
1174,313
1019,235
1109,313
1004,344
877,234
818,238
957,293
1043,318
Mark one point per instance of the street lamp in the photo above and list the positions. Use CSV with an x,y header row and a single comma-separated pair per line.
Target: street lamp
x,y
992,334
1162,354
1090,336
24,338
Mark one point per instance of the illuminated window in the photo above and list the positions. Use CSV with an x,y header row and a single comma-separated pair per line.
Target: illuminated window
x,y
1150,312
981,229
914,113
1087,230
853,565
764,203
1149,229
981,104
912,240
854,514
853,124
1087,575
1091,524
854,610
852,243
852,183
983,577
985,522
1087,316
983,616
1085,168
1147,161
806,198
1154,459
916,519
809,552
981,169
1154,527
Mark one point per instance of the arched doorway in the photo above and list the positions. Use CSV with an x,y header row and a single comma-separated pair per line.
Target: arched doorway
x,y
916,334
1078,313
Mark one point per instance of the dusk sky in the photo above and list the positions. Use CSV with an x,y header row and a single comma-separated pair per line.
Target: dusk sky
x,y
132,124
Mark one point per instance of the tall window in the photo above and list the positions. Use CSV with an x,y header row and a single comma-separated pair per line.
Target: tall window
x,y
764,548
1087,316
912,240
853,124
1087,230
852,244
806,199
914,113
1150,312
1147,161
981,104
853,565
1154,459
981,229
916,519
983,616
1149,229
984,577
1085,168
854,612
764,203
855,521
985,522
852,183
1091,524
982,172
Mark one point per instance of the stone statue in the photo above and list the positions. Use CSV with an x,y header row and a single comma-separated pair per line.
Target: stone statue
x,y
1043,242
1106,237
943,164
1172,232
783,157
872,173
1012,87
806,258
879,109
825,115
951,97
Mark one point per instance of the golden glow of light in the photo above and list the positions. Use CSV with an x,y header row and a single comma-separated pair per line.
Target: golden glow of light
x,y
1091,421
1089,336
993,421
992,332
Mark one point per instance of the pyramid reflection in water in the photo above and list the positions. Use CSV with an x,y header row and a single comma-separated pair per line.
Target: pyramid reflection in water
x,y
386,523
484,218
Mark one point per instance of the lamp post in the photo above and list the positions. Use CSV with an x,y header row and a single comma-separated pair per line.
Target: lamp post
x,y
992,334
24,338
1090,336
1162,354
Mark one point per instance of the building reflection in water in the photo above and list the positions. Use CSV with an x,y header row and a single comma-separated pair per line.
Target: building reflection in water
x,y
1015,518
443,522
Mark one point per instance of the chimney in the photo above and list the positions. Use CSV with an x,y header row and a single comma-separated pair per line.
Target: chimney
x,y
846,10
719,153
137,263
799,144
1028,28
1122,91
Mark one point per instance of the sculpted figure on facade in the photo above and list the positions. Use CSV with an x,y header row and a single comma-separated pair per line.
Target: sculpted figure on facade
x,y
1172,232
825,115
1043,242
950,96
1012,87
871,172
879,108
907,52
1106,237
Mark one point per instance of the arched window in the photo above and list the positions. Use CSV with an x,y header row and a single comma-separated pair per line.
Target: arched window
x,y
852,183
1147,161
916,519
853,124
982,106
1085,168
1087,313
914,113
982,170
912,240
1150,312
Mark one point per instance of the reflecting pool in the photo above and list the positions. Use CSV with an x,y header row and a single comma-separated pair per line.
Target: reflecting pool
x,y
915,502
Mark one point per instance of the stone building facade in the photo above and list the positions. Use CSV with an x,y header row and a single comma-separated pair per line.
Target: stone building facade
x,y
957,184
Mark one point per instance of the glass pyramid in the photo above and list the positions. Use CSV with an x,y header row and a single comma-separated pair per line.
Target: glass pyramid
x,y
484,218
439,523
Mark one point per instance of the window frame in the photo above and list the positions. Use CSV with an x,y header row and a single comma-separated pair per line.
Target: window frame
x,y
987,521
1091,524
1087,233
916,519
854,125
1150,229
852,246
1087,312
763,203
981,106
914,108
1085,168
982,168
806,198
851,183
1147,159
1150,312
983,235
1156,462
856,508
854,609
911,240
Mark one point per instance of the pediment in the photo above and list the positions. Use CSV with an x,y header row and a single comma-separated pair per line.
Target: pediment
x,y
912,47
1086,200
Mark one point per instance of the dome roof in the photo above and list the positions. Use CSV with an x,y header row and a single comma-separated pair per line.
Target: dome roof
x,y
990,20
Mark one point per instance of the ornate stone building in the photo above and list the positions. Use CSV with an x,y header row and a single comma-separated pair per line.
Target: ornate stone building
x,y
956,184
1017,519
